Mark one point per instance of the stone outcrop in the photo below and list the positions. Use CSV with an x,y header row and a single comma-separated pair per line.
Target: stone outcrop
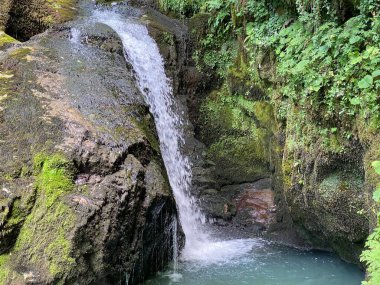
x,y
84,196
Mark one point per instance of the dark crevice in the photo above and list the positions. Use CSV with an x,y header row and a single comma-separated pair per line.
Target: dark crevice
x,y
26,19
142,152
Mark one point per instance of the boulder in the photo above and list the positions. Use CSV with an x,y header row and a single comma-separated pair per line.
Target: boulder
x,y
84,196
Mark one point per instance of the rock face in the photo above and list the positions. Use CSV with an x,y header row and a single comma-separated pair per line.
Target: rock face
x,y
328,194
84,197
257,205
4,13
321,190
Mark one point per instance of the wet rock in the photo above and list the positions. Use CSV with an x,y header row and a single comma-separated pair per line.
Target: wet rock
x,y
325,193
257,206
84,196
254,203
250,206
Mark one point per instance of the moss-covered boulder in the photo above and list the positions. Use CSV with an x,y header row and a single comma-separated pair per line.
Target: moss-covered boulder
x,y
84,196
325,185
25,18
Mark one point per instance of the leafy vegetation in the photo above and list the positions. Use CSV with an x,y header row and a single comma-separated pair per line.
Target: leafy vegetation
x,y
180,7
327,53
371,256
335,69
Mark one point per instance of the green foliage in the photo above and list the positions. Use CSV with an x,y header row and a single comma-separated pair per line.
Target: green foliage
x,y
218,48
371,256
216,54
183,7
332,69
322,65
369,7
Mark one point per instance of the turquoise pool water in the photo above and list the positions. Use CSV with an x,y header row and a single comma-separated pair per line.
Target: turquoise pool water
x,y
264,264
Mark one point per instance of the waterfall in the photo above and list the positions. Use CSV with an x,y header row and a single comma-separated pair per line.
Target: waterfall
x,y
143,53
175,244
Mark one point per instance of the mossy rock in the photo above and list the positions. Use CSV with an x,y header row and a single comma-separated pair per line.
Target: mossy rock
x,y
325,186
238,132
31,17
85,184
4,13
6,40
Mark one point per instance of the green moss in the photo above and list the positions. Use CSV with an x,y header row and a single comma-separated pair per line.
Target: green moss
x,y
146,126
54,177
238,131
14,212
4,269
21,53
240,158
287,169
263,111
51,220
64,11
5,39
337,182
58,252
17,214
225,114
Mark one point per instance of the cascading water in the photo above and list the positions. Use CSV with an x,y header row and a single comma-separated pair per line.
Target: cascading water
x,y
143,53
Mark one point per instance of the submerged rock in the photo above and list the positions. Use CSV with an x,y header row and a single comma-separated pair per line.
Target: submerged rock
x,y
84,196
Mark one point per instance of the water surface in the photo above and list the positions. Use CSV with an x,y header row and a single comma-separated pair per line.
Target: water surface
x,y
264,264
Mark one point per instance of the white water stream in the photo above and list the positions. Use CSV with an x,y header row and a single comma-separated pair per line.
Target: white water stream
x,y
143,53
